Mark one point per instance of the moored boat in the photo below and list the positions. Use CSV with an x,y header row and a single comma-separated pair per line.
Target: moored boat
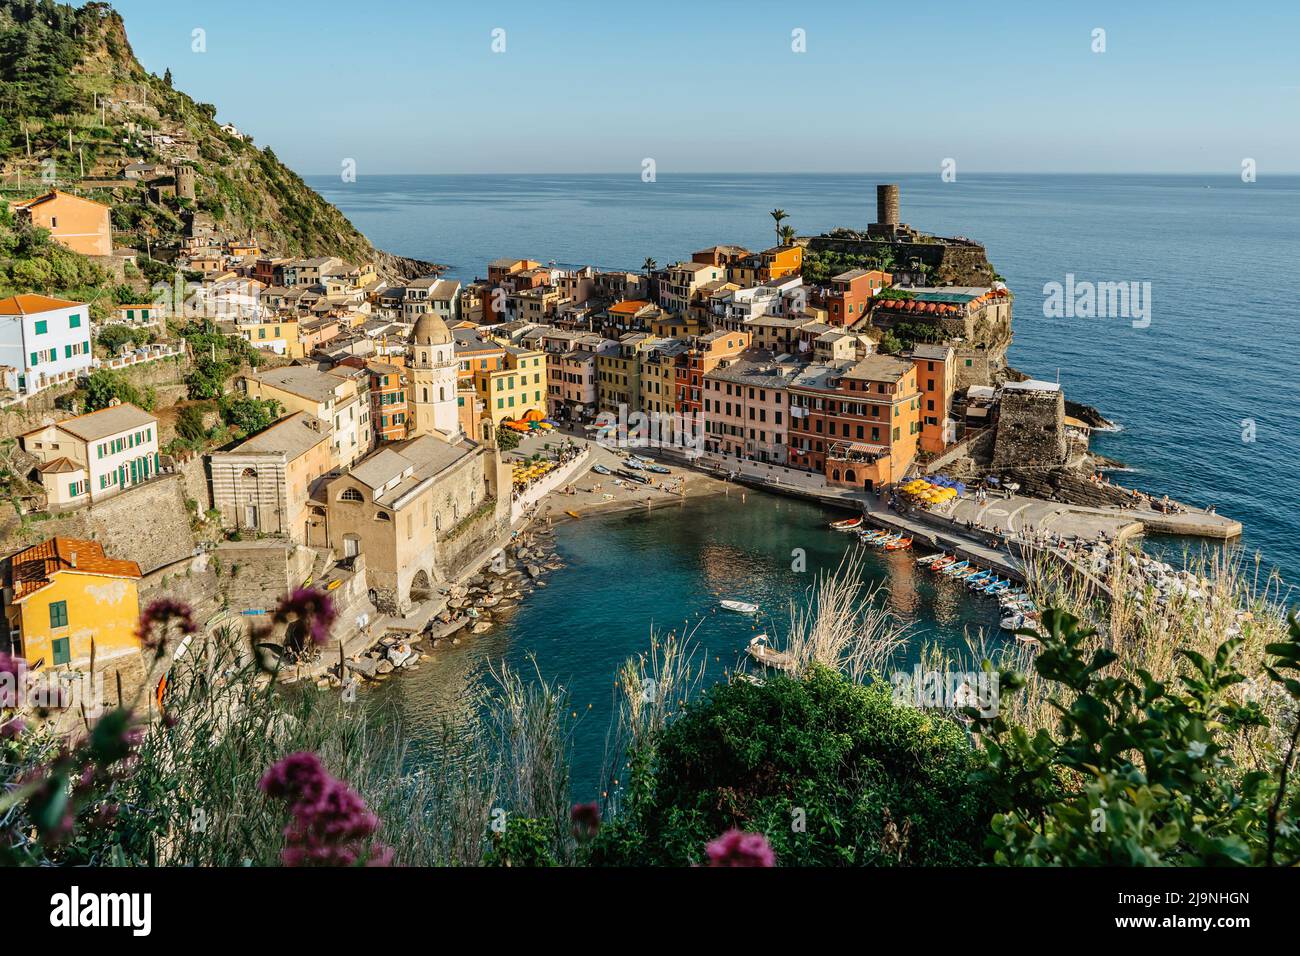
x,y
899,544
739,607
600,469
768,656
848,524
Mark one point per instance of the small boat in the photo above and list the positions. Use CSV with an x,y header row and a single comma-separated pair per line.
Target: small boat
x,y
848,524
759,650
900,544
658,469
884,540
573,514
929,558
633,476
998,587
640,459
1012,622
333,584
956,568
978,576
600,469
943,564
631,461
739,607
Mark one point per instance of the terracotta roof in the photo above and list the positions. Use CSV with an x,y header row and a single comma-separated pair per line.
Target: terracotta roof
x,y
59,465
35,567
29,304
630,306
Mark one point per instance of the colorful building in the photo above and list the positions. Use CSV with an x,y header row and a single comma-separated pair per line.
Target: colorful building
x,y
746,409
66,595
856,422
94,456
517,387
850,294
81,225
706,353
43,341
936,375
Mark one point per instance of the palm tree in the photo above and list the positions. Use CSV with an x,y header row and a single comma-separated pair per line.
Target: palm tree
x,y
649,265
778,215
786,235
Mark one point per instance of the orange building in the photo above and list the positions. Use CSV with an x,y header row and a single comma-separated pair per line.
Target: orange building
x,y
690,367
82,225
775,263
849,298
856,422
936,376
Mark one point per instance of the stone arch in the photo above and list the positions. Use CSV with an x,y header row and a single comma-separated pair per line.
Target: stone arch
x,y
835,474
421,586
850,476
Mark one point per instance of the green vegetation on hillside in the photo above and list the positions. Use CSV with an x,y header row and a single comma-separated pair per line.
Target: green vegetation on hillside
x,y
68,71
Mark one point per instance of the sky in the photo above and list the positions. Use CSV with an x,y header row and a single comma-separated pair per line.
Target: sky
x,y
717,85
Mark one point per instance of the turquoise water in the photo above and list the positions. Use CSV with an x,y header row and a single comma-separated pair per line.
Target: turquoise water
x,y
630,572
1220,255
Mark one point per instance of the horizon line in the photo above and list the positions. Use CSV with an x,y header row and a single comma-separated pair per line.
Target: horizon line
x,y
779,172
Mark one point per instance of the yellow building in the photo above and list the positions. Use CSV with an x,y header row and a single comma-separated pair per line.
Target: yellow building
x,y
278,334
65,593
518,386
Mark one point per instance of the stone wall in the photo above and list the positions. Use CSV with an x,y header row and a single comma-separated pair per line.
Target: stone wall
x,y
148,524
950,263
1031,430
489,527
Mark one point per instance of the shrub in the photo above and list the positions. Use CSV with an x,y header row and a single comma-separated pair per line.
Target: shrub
x,y
873,782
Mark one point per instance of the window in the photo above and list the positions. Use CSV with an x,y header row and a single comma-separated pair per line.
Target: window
x,y
74,321
58,614
42,327
351,494
62,650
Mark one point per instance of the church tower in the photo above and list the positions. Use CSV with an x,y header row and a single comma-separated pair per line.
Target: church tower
x,y
431,360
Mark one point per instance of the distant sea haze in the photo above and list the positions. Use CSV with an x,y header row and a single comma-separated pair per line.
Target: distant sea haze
x,y
1205,384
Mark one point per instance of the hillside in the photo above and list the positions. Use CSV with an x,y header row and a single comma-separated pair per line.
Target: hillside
x,y
77,106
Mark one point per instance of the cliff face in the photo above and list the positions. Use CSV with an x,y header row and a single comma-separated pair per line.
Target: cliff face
x,y
78,105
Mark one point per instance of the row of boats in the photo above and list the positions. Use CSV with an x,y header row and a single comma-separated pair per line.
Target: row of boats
x,y
635,468
1018,608
874,537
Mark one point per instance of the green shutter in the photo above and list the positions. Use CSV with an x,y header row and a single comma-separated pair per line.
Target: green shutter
x,y
58,614
62,651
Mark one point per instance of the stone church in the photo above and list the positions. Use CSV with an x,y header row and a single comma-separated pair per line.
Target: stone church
x,y
419,512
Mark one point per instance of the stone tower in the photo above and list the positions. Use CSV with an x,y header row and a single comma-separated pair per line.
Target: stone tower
x,y
184,174
887,204
431,359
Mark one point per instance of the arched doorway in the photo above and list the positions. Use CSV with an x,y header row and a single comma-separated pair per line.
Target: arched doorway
x,y
421,587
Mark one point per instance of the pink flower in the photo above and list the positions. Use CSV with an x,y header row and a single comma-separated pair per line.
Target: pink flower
x,y
157,618
330,823
737,848
11,679
314,609
12,729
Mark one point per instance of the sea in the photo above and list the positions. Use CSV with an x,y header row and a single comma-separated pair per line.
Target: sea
x,y
1204,388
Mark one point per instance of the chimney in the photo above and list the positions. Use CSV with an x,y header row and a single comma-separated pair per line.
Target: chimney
x,y
72,558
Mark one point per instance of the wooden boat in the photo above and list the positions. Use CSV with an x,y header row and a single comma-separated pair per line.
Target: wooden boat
x,y
658,469
943,563
739,607
631,461
886,540
333,584
952,570
929,558
759,650
972,579
600,469
573,514
901,544
848,524
633,476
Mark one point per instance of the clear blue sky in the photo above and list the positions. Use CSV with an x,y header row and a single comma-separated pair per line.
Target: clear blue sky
x,y
713,86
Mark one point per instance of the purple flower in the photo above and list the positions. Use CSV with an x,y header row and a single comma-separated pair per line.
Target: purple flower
x,y
157,619
314,609
330,823
12,729
737,848
585,820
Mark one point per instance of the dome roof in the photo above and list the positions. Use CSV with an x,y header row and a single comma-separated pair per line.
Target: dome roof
x,y
430,330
